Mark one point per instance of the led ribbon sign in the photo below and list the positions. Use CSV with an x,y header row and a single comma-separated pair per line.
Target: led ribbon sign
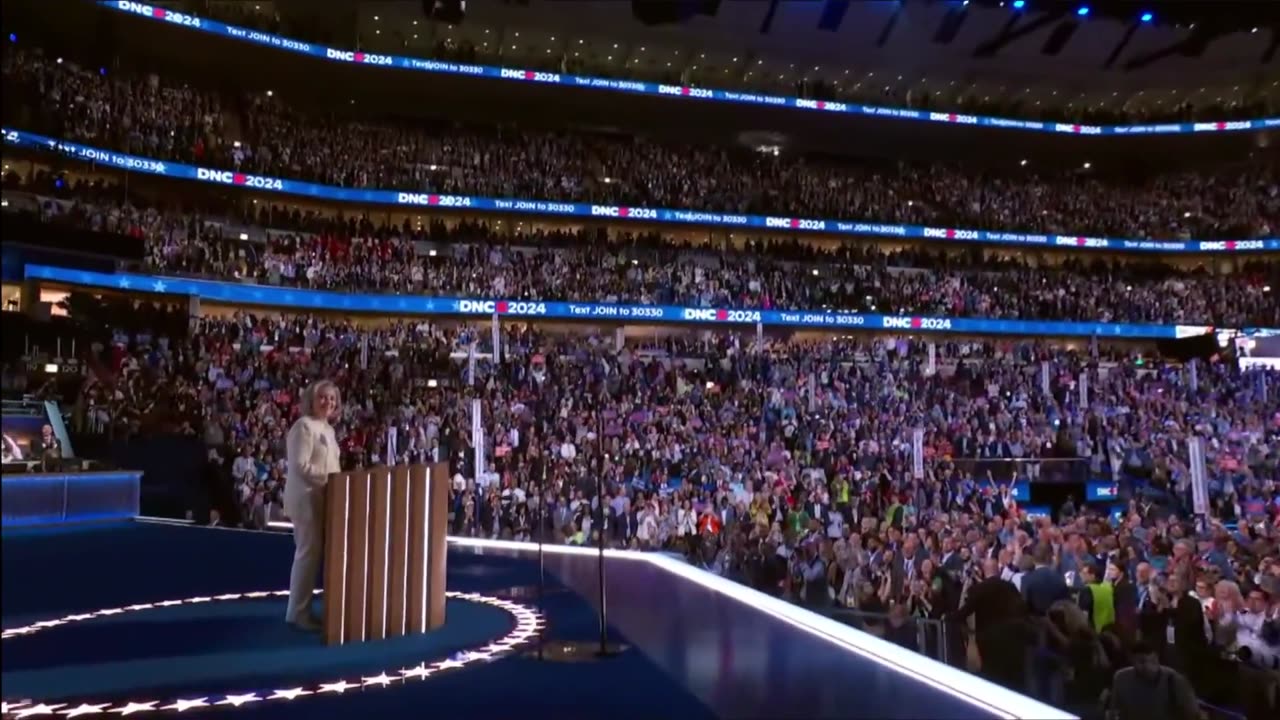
x,y
236,293
639,87
472,203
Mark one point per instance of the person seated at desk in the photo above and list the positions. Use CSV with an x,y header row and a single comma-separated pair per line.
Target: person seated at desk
x,y
49,450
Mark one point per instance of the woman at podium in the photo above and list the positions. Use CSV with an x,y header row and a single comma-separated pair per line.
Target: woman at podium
x,y
312,454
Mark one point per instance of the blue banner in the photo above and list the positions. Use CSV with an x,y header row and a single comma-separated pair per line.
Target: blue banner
x,y
472,203
446,67
234,293
1101,491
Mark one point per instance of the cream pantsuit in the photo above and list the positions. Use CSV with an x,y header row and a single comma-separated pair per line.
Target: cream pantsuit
x,y
312,454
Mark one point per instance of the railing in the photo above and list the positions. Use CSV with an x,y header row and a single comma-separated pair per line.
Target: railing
x,y
931,637
58,498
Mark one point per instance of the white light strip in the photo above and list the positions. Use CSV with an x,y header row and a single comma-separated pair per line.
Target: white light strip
x,y
957,683
368,515
426,549
404,584
952,681
342,584
386,551
528,622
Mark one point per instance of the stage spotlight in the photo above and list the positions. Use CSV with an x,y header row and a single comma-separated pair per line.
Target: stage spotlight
x,y
1019,4
1147,17
1083,11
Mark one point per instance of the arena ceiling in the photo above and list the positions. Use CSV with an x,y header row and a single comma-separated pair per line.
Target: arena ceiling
x,y
1043,53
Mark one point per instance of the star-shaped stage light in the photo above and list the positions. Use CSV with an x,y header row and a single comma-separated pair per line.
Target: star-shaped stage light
x,y
136,707
85,709
185,705
420,672
41,709
381,678
527,624
238,700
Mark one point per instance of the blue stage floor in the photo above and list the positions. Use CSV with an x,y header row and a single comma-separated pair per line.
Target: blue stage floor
x,y
209,649
694,647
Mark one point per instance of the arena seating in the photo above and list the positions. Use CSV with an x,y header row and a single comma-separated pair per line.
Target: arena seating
x,y
168,120
786,462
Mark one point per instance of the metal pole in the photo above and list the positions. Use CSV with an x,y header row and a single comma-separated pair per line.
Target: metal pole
x,y
542,564
604,622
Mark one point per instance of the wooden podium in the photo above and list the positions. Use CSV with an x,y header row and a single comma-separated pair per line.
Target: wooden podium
x,y
384,557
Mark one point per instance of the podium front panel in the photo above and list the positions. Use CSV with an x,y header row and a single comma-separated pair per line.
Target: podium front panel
x,y
398,586
419,535
385,552
379,551
438,514
337,505
357,593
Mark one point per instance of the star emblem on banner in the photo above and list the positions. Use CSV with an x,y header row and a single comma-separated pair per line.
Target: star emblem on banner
x,y
338,687
290,694
158,286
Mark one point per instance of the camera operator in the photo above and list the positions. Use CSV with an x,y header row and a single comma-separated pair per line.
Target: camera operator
x,y
810,569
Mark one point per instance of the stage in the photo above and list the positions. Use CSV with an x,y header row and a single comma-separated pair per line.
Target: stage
x,y
139,618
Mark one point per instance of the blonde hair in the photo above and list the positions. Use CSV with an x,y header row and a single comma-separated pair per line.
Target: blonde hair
x,y
314,389
1232,592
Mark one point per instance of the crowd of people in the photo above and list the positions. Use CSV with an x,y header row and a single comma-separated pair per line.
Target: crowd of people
x,y
813,85
480,260
789,466
167,120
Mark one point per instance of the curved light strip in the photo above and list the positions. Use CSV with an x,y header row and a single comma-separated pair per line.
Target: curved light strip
x,y
528,623
640,87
